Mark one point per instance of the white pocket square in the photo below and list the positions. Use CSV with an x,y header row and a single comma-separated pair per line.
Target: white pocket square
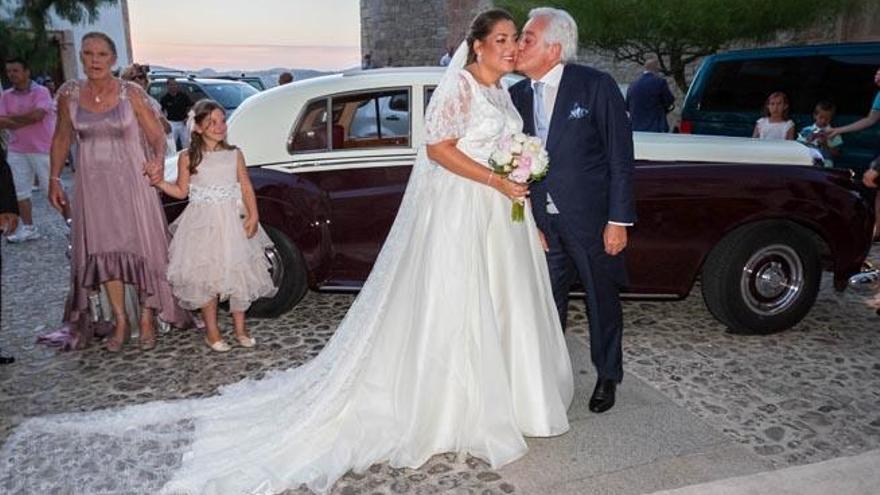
x,y
577,112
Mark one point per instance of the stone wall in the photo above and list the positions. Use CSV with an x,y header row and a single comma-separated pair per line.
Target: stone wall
x,y
414,32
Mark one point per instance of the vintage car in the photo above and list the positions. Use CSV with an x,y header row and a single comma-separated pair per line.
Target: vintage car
x,y
755,221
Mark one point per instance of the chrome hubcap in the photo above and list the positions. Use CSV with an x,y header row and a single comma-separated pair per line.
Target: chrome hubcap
x,y
276,266
772,279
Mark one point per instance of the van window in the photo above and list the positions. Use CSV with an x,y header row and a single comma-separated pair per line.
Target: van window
x,y
743,85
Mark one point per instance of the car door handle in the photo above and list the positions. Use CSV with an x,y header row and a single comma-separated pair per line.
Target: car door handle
x,y
392,117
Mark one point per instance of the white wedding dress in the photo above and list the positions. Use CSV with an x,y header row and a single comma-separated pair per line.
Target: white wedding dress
x,y
453,345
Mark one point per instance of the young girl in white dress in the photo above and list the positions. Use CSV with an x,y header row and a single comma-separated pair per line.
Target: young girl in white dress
x,y
217,252
775,123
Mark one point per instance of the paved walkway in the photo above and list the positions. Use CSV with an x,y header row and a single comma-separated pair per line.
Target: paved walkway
x,y
857,475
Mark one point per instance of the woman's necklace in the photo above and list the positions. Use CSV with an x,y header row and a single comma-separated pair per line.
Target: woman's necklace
x,y
98,95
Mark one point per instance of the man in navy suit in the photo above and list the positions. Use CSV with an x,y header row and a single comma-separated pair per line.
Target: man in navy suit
x,y
648,100
585,204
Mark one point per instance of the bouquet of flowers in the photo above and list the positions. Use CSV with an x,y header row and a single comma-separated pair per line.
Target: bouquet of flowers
x,y
521,159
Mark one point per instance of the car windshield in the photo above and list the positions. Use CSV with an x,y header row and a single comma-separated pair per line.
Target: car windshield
x,y
230,94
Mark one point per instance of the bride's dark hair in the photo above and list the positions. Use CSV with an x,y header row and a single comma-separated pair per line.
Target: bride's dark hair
x,y
481,26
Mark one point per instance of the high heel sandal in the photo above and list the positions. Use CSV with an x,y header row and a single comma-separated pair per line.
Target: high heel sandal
x,y
114,344
147,344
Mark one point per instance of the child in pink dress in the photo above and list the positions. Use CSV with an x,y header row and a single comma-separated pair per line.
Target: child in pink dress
x,y
218,249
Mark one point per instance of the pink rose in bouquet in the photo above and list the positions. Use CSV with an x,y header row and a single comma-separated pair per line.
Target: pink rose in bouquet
x,y
521,159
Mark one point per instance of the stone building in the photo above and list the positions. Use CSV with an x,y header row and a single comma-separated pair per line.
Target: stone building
x,y
414,32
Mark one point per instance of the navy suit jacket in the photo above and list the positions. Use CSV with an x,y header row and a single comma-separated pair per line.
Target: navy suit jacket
x,y
8,202
591,152
648,100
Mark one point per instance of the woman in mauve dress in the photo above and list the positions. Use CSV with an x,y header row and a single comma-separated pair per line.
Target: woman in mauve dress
x,y
119,234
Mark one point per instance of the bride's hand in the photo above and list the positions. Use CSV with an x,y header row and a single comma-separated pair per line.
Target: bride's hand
x,y
514,191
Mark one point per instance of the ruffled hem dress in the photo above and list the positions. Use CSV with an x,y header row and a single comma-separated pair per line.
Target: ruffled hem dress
x,y
210,254
118,227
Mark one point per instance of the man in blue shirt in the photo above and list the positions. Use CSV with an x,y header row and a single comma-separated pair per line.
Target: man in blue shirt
x,y
648,100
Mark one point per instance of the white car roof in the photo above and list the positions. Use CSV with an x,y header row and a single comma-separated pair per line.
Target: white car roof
x,y
664,147
261,126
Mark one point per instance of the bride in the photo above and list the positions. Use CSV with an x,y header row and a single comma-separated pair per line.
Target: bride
x,y
453,345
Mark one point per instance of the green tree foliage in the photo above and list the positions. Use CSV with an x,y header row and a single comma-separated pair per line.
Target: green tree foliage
x,y
679,32
23,31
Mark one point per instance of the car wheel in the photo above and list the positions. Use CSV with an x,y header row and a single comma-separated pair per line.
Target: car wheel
x,y
289,275
762,278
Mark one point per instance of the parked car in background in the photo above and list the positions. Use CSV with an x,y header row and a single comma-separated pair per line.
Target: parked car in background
x,y
254,81
756,221
228,93
728,92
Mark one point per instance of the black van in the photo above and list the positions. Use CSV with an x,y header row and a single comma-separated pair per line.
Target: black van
x,y
728,92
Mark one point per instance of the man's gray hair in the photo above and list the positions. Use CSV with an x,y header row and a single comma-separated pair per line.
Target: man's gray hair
x,y
561,28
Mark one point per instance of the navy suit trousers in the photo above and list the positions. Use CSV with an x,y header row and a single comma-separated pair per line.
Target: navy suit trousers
x,y
571,256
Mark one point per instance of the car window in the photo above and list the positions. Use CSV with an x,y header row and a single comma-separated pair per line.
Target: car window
x,y
429,92
192,90
743,85
310,133
371,120
230,94
157,89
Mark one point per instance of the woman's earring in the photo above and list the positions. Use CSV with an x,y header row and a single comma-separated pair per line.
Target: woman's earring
x,y
479,57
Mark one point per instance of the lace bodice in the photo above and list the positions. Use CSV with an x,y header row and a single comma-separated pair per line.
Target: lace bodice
x,y
477,115
216,178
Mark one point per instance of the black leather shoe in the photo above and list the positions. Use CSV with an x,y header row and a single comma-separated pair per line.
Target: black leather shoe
x,y
603,395
6,359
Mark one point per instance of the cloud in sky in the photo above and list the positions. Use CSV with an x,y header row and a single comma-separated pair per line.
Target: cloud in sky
x,y
258,34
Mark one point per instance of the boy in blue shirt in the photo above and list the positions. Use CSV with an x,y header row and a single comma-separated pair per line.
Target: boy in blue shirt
x,y
816,135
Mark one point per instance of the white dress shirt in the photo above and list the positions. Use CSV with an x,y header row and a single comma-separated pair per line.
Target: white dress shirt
x,y
551,81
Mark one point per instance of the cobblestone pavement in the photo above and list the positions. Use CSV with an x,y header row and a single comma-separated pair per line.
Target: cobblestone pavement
x,y
808,394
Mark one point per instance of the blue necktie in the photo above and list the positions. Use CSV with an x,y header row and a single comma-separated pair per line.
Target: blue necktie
x,y
541,127
541,124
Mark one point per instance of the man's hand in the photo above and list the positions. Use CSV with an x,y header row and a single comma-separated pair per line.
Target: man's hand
x,y
870,178
8,222
615,239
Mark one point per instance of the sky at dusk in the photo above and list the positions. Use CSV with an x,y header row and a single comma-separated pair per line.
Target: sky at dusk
x,y
246,34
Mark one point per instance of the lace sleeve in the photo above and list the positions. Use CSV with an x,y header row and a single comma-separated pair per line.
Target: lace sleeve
x,y
449,111
148,118
69,91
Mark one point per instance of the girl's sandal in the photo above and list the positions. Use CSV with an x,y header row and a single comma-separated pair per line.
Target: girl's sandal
x,y
218,346
245,341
